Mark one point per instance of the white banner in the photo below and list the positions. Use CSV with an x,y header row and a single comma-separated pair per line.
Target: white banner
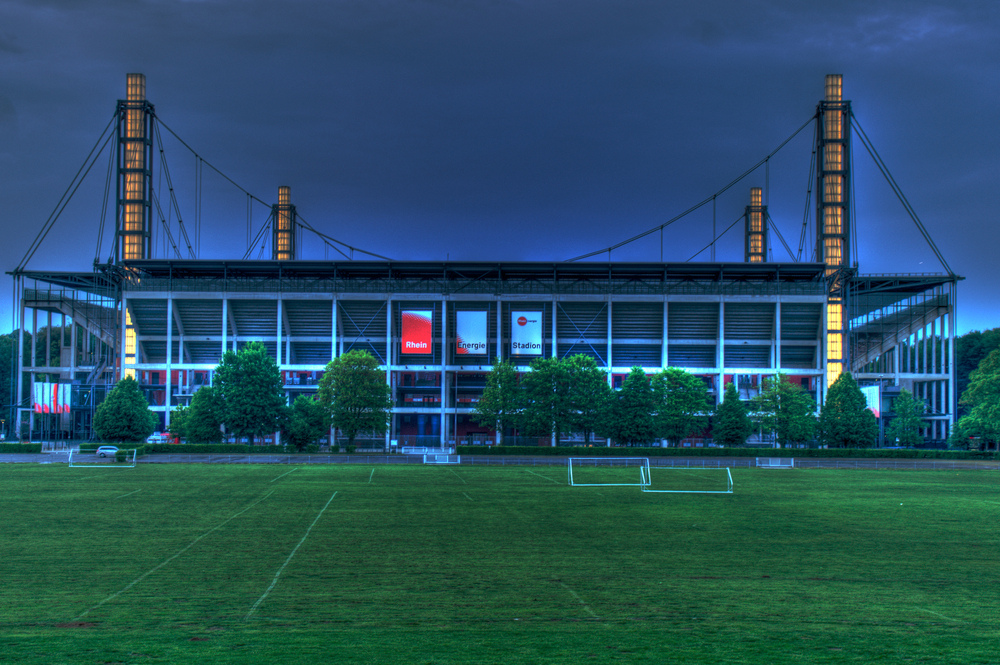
x,y
471,333
525,333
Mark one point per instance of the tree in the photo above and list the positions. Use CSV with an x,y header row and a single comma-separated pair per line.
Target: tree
x,y
308,421
499,407
124,415
681,404
846,421
982,398
905,426
731,425
354,393
630,419
249,385
970,350
204,418
784,409
589,393
547,407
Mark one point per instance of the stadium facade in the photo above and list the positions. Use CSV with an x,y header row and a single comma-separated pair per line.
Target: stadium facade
x,y
437,326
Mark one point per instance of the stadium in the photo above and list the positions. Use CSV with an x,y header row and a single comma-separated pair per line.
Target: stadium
x,y
437,326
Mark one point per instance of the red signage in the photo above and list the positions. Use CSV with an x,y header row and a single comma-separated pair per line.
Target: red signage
x,y
417,334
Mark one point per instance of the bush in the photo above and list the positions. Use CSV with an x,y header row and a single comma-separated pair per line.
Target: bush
x,y
20,447
121,455
603,451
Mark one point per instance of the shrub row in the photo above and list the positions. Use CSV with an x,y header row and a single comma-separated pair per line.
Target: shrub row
x,y
222,448
20,447
603,451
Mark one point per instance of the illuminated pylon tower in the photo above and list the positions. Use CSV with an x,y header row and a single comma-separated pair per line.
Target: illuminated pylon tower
x,y
756,227
135,171
833,222
283,234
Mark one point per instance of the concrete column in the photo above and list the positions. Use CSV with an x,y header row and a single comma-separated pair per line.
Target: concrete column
x,y
664,355
277,346
776,347
170,358
444,372
333,327
720,352
225,326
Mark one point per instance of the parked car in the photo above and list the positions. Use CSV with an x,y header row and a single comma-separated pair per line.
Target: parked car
x,y
104,451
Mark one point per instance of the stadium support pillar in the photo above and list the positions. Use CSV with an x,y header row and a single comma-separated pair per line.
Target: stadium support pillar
x,y
277,346
664,356
609,351
720,352
333,328
776,345
444,372
225,326
170,359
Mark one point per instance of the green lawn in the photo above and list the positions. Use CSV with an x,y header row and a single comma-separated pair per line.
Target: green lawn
x,y
415,564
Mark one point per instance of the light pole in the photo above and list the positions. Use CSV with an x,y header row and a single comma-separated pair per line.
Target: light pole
x,y
881,416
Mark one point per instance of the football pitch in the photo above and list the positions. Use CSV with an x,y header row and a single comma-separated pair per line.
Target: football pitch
x,y
179,563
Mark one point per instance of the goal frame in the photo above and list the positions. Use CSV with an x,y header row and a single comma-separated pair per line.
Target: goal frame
x,y
643,464
775,462
442,458
648,480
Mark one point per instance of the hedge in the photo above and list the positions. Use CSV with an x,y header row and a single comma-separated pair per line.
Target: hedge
x,y
20,447
604,451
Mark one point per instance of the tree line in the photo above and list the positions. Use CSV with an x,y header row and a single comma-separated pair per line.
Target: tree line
x,y
556,397
559,396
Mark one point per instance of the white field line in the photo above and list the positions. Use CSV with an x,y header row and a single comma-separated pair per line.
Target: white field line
x,y
371,476
467,496
458,476
580,600
545,477
169,559
296,549
129,494
284,474
923,609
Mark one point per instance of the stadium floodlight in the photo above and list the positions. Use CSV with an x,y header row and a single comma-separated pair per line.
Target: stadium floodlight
x,y
607,471
87,457
776,462
691,480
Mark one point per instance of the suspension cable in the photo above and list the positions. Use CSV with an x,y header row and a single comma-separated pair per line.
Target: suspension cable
x,y
899,194
704,202
74,185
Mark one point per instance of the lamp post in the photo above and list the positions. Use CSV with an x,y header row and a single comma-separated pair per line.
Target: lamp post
x,y
881,416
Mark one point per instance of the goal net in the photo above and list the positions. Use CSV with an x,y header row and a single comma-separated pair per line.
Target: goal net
x,y
442,458
607,471
776,462
687,480
88,457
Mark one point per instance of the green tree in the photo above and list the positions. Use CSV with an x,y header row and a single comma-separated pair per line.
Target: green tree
x,y
982,398
785,410
249,385
124,415
846,421
589,393
204,417
547,407
354,393
682,406
631,412
308,421
904,429
179,421
499,407
731,425
970,350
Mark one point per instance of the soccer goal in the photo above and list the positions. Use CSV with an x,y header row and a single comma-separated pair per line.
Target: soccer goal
x,y
776,462
87,457
442,458
687,480
607,471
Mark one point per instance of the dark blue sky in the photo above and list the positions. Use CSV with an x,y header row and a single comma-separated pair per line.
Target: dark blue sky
x,y
511,130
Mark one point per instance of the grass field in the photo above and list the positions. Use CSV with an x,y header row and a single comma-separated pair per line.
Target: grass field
x,y
390,564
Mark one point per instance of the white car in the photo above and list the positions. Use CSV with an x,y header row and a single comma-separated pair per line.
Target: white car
x,y
104,451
